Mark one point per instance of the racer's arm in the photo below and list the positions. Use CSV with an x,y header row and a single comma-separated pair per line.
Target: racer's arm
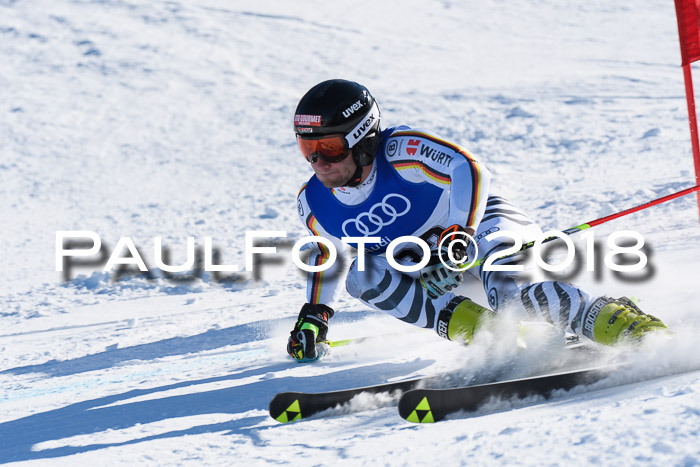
x,y
312,322
421,157
470,183
321,286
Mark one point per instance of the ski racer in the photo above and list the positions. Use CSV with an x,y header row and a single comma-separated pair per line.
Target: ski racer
x,y
402,181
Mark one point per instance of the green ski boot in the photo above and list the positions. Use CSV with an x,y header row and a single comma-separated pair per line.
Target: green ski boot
x,y
460,319
609,321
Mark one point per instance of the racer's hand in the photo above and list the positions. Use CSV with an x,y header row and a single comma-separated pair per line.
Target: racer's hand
x,y
310,329
437,278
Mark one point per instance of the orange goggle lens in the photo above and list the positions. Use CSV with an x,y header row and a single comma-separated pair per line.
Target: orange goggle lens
x,y
327,148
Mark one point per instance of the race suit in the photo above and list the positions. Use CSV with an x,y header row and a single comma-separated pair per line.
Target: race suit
x,y
419,185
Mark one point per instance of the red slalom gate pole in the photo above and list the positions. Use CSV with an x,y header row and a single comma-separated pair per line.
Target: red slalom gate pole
x,y
688,16
663,199
693,121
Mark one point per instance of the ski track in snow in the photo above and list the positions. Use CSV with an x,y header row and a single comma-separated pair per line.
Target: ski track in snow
x,y
173,119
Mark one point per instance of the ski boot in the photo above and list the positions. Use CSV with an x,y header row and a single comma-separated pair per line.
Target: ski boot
x,y
460,319
609,321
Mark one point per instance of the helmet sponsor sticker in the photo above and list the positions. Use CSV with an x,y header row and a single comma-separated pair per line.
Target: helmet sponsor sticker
x,y
351,110
307,120
366,124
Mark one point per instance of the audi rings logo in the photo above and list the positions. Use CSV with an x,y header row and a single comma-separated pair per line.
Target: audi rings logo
x,y
380,215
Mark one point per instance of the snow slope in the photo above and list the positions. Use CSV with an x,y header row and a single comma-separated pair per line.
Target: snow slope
x,y
173,119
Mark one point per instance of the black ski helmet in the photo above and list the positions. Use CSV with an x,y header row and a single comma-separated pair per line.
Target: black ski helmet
x,y
345,107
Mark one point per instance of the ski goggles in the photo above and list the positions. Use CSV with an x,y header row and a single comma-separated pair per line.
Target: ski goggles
x,y
329,148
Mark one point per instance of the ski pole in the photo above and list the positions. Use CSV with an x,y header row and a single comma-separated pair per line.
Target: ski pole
x,y
344,342
357,340
599,221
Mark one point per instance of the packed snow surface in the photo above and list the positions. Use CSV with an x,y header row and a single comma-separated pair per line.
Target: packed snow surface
x,y
173,119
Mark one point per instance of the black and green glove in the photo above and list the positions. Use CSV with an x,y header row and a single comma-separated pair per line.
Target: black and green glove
x,y
311,328
436,277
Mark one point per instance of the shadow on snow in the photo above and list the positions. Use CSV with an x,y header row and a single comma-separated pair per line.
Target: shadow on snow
x,y
91,417
210,340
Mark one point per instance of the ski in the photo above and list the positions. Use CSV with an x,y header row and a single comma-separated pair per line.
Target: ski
x,y
293,406
432,405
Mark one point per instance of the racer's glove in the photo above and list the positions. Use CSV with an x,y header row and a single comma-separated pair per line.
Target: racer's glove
x,y
310,329
436,277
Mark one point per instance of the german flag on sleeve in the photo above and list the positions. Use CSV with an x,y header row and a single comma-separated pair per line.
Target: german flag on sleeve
x,y
317,277
430,173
